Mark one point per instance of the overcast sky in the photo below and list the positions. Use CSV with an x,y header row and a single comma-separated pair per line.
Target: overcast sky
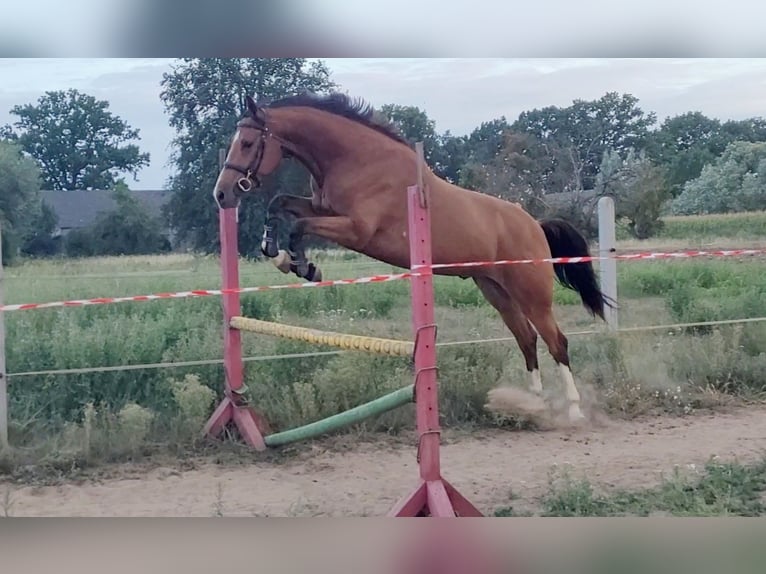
x,y
458,94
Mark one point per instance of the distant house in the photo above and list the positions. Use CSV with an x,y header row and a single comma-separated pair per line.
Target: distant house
x,y
78,209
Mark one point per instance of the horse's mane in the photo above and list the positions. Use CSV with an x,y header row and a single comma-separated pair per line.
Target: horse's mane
x,y
355,109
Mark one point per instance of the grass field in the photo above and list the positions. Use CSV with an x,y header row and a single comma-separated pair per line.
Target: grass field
x,y
708,230
718,489
731,225
89,417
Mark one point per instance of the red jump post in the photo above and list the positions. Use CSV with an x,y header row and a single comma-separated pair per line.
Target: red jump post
x,y
251,425
433,496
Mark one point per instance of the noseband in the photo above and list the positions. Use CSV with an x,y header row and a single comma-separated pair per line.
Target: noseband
x,y
250,174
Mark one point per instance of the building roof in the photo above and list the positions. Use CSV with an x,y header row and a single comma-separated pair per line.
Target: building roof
x,y
76,209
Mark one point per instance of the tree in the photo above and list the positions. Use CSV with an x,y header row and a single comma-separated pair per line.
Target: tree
x,y
454,156
748,130
21,210
639,189
687,142
444,153
523,170
486,141
205,98
477,152
39,239
736,181
586,129
77,141
415,125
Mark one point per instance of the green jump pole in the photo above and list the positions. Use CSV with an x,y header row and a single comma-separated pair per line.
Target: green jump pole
x,y
357,414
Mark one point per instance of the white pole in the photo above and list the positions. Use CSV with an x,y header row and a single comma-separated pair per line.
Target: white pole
x,y
607,246
3,378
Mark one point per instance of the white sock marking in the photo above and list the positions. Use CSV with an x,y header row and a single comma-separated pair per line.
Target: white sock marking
x,y
572,394
536,384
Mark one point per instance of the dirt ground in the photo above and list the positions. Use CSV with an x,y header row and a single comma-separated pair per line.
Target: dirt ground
x,y
336,478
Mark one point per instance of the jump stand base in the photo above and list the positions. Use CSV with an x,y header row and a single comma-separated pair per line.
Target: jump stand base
x,y
434,498
251,425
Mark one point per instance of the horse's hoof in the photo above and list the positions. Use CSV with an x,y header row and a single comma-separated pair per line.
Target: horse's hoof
x,y
575,414
282,261
269,250
314,274
301,269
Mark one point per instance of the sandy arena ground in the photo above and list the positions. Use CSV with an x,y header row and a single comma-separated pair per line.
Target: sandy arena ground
x,y
335,478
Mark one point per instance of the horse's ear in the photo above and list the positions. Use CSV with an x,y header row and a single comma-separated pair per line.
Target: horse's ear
x,y
254,110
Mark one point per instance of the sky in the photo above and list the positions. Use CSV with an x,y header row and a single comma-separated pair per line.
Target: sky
x,y
457,93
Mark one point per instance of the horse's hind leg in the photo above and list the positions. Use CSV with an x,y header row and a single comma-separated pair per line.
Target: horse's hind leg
x,y
558,345
517,323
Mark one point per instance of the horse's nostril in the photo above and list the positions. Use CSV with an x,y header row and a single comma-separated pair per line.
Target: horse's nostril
x,y
220,196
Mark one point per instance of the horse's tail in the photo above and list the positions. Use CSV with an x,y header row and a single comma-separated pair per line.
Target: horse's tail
x,y
565,241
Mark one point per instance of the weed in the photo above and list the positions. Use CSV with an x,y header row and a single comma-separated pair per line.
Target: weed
x,y
719,489
218,504
8,502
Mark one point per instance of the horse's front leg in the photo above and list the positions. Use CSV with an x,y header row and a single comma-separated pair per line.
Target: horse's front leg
x,y
279,207
299,263
339,229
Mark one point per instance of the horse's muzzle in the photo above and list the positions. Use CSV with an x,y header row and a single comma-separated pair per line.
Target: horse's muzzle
x,y
226,199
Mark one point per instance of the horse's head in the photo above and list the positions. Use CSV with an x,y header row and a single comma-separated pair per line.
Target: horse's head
x,y
254,151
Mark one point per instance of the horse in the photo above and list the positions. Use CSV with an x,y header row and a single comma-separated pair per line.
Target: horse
x,y
360,167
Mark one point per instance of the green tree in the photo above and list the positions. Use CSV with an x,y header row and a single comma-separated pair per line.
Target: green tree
x,y
477,153
77,141
415,125
748,130
523,170
687,142
486,141
455,153
586,129
38,240
444,153
734,182
21,210
205,98
639,189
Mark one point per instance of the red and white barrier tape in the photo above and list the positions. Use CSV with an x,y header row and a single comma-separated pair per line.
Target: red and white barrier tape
x,y
376,278
202,293
629,257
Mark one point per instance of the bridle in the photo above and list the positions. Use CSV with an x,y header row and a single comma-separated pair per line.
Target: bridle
x,y
250,177
250,174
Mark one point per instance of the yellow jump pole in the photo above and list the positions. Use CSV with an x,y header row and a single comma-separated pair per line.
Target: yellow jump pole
x,y
390,347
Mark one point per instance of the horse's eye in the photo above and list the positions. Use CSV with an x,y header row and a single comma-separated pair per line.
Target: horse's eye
x,y
247,145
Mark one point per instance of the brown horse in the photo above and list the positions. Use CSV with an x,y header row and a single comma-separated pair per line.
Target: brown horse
x,y
360,169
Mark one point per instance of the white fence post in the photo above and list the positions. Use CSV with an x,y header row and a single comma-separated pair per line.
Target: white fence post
x,y
607,246
3,377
